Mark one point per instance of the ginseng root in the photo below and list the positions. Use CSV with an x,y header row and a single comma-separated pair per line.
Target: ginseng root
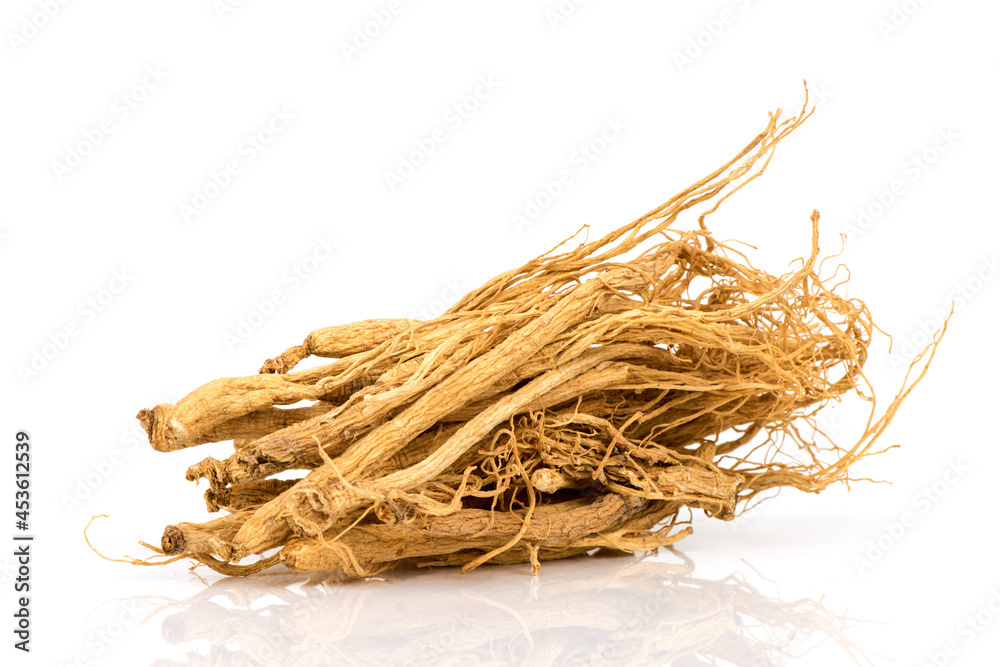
x,y
587,399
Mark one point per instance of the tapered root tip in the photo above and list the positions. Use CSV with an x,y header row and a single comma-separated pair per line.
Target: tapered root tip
x,y
165,433
211,499
145,417
173,541
287,360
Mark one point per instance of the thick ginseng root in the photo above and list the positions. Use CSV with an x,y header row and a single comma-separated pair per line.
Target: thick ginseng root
x,y
262,422
300,445
363,549
245,408
246,496
193,418
201,537
325,499
339,341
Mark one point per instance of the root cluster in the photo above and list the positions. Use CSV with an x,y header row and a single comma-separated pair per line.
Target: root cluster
x,y
585,400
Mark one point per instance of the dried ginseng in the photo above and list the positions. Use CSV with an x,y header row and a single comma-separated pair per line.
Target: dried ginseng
x,y
588,399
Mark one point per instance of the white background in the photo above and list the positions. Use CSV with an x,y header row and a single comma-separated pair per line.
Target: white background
x,y
906,98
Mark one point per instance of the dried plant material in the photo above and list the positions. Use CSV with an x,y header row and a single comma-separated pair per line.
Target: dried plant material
x,y
583,400
339,341
246,496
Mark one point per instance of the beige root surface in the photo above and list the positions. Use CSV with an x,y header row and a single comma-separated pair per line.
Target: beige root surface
x,y
586,399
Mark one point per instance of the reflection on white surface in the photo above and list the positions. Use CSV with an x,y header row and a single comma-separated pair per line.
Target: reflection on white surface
x,y
587,611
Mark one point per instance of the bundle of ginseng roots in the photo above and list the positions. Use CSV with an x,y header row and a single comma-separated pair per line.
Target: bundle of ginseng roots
x,y
588,399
